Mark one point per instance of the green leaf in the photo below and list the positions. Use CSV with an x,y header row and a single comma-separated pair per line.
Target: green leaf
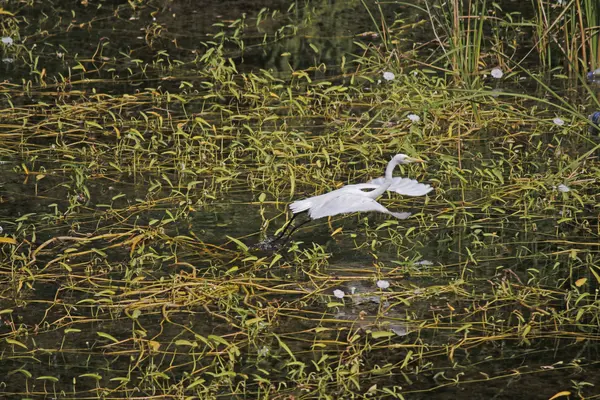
x,y
16,343
95,376
239,243
107,336
20,370
196,383
183,342
382,334
253,321
285,347
47,378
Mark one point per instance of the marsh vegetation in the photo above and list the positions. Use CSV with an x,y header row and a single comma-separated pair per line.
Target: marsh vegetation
x,y
147,146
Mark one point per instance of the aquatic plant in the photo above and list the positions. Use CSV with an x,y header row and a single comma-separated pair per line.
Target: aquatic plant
x,y
138,171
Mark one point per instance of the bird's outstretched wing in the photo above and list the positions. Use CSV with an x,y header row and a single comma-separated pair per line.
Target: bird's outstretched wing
x,y
315,201
403,186
349,203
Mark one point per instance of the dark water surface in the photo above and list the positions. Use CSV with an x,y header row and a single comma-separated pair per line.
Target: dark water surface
x,y
125,283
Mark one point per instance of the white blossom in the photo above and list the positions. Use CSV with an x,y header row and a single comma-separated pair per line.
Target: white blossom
x,y
389,76
497,73
423,262
339,293
413,117
558,121
381,284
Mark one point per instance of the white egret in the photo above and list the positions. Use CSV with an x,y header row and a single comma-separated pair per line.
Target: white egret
x,y
354,198
358,197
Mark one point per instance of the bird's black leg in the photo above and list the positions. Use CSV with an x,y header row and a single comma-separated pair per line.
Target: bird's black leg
x,y
285,228
289,235
272,244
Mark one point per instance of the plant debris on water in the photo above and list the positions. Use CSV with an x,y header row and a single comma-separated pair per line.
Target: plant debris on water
x,y
150,150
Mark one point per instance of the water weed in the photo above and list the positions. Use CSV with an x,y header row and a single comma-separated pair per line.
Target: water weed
x,y
140,169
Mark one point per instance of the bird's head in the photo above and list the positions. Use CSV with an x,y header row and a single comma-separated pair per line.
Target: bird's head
x,y
404,159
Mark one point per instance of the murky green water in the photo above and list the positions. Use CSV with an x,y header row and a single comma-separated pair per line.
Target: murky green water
x,y
147,146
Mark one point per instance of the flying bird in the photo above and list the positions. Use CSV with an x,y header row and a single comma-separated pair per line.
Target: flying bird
x,y
362,196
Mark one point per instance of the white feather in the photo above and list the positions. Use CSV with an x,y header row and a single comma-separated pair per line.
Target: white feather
x,y
348,200
356,198
403,186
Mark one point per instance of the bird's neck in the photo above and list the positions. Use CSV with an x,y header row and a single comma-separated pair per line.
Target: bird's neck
x,y
386,183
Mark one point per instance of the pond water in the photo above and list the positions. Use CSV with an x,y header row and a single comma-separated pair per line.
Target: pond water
x,y
148,147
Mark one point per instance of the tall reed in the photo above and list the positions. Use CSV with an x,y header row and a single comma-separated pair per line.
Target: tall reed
x,y
568,29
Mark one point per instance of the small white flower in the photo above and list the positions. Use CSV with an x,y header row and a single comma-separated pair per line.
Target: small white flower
x,y
378,81
8,60
352,289
563,188
497,73
413,117
424,262
7,40
381,284
558,121
339,293
389,76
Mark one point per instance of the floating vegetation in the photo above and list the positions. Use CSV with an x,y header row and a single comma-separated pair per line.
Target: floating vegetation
x,y
150,151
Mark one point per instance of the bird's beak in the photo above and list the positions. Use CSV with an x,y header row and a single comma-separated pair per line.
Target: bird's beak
x,y
415,160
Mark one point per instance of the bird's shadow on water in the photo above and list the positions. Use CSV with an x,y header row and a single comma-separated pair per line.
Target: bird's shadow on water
x,y
317,233
314,231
